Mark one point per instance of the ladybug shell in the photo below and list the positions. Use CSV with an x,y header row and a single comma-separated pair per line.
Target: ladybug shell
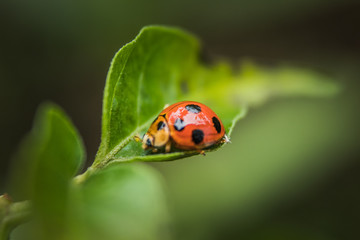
x,y
193,125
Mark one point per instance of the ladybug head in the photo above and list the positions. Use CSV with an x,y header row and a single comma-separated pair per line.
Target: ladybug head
x,y
157,135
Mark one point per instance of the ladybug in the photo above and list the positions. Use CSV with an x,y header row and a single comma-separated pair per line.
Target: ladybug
x,y
185,125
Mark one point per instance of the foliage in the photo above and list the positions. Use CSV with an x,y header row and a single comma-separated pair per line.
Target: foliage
x,y
126,201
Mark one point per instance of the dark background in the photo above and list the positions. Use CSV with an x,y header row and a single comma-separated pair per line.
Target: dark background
x,y
61,51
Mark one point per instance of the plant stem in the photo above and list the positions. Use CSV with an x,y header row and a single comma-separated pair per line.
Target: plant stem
x,y
12,215
79,179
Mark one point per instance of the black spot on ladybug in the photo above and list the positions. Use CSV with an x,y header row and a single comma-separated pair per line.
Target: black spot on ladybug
x,y
197,136
160,125
179,124
217,124
193,108
148,142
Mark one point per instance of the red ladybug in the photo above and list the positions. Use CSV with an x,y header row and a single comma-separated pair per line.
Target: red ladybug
x,y
186,125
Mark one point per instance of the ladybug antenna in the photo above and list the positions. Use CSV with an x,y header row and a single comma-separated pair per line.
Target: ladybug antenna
x,y
137,138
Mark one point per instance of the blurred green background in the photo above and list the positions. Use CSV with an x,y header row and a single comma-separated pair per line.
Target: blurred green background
x,y
292,171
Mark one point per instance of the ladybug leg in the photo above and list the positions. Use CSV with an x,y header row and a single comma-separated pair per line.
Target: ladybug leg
x,y
168,147
137,138
202,152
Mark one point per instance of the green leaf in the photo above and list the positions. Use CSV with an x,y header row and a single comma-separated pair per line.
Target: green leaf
x,y
48,159
161,66
155,69
120,202
143,77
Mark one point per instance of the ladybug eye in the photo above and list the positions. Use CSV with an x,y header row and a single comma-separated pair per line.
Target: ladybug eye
x,y
148,142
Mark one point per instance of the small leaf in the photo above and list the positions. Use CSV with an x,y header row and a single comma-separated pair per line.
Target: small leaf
x,y
120,202
161,66
51,155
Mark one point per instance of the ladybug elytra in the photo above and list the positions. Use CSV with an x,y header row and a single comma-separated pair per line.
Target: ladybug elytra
x,y
185,125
